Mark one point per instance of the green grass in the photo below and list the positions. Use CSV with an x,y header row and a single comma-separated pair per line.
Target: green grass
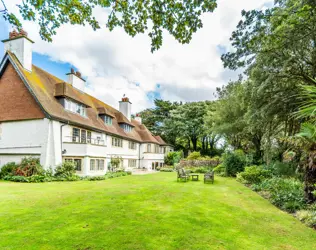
x,y
144,212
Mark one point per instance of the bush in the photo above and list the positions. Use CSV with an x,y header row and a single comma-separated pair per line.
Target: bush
x,y
253,175
234,162
287,194
173,157
16,178
308,217
8,169
66,169
194,156
201,170
128,172
29,166
96,178
166,170
287,169
67,178
37,178
220,170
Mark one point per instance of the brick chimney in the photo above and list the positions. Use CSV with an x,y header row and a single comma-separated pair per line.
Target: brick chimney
x,y
138,118
126,107
76,80
20,45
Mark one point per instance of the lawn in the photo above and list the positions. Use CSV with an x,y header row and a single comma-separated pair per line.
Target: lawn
x,y
144,212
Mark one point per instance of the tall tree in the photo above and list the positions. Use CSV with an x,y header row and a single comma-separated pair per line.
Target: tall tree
x,y
180,18
187,121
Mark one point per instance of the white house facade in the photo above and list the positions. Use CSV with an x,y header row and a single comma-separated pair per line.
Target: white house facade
x,y
43,116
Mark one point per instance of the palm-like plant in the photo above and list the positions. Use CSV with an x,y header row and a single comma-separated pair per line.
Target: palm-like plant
x,y
308,134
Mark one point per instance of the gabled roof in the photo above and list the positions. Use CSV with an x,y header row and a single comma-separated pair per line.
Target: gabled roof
x,y
46,88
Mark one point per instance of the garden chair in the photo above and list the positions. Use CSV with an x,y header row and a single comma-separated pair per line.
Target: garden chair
x,y
209,177
181,175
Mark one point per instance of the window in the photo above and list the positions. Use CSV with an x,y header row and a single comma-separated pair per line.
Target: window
x,y
116,142
156,149
132,145
132,163
97,164
75,107
76,135
126,127
92,164
78,163
148,148
89,137
83,136
108,120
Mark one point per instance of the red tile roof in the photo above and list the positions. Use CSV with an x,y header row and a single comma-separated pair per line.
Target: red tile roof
x,y
46,88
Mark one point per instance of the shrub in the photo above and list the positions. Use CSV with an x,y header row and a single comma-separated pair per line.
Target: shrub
x,y
16,178
201,170
96,178
253,175
287,169
29,166
287,194
194,156
166,170
66,169
128,172
37,178
234,162
8,169
308,217
67,178
173,158
220,170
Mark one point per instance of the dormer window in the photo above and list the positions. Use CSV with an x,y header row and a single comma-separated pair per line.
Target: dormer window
x,y
75,107
108,120
126,127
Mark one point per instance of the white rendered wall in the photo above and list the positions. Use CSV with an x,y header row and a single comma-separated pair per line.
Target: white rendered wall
x,y
22,48
20,139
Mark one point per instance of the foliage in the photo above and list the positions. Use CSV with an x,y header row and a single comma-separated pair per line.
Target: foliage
x,y
234,162
173,157
253,175
287,194
115,163
187,121
220,170
194,156
181,18
199,170
16,178
8,169
154,119
166,170
283,169
308,217
96,178
29,166
65,170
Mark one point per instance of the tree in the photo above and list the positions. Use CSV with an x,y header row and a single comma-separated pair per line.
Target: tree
x,y
154,119
187,121
180,18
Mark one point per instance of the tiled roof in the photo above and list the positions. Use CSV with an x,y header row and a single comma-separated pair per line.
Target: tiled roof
x,y
46,88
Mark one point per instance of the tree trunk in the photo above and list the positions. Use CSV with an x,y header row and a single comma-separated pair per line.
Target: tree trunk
x,y
310,177
194,143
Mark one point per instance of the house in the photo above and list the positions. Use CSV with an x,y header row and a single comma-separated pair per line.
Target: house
x,y
45,117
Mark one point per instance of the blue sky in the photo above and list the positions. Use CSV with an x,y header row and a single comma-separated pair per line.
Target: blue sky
x,y
115,64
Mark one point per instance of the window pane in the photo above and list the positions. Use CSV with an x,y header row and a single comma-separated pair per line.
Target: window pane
x,y
92,164
89,136
78,164
102,165
75,134
83,136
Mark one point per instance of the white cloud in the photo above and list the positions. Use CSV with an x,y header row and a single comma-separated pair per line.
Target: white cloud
x,y
115,63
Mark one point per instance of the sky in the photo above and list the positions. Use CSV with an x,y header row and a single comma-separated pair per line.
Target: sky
x,y
115,64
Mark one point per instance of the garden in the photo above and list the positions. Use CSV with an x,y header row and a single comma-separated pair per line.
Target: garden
x,y
144,212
